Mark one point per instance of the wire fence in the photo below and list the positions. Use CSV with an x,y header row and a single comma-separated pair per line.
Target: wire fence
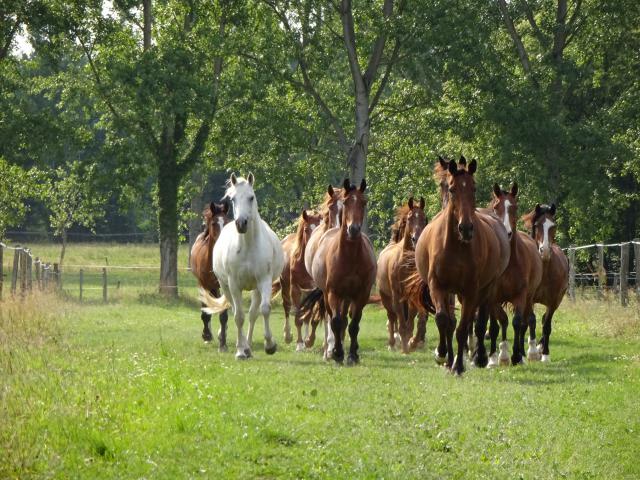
x,y
601,269
595,271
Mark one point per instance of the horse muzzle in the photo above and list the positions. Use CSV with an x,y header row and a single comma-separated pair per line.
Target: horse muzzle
x,y
466,231
545,253
241,225
354,230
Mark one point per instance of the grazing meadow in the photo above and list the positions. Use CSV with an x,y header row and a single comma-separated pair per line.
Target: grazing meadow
x,y
127,389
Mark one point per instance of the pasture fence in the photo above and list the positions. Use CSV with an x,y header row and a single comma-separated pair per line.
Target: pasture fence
x,y
26,270
600,268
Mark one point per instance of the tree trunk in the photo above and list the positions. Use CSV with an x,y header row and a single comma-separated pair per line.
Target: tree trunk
x,y
168,181
146,33
357,160
64,248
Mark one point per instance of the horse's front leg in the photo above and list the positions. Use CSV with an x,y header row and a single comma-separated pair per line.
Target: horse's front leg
x,y
354,328
296,300
270,345
419,340
444,351
285,286
254,310
337,321
480,358
234,294
469,305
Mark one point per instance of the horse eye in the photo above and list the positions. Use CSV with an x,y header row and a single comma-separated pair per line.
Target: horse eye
x,y
251,199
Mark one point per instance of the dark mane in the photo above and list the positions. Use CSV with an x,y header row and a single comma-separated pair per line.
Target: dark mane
x,y
302,224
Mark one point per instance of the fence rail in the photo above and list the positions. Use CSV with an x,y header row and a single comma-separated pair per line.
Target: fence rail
x,y
612,267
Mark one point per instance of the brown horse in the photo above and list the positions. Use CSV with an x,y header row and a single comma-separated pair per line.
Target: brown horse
x,y
541,223
344,270
461,251
517,285
215,217
294,277
392,273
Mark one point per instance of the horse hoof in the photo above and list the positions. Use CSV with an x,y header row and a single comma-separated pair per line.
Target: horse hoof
x,y
397,337
288,338
241,356
545,358
223,349
309,342
439,360
480,361
353,360
299,347
420,345
493,361
391,348
338,357
247,352
271,350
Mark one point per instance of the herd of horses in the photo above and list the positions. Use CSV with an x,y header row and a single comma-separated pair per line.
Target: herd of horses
x,y
326,271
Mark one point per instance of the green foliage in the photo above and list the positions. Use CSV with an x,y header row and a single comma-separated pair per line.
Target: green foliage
x,y
73,199
16,188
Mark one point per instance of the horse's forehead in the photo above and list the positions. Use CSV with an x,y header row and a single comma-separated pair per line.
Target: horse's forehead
x,y
241,190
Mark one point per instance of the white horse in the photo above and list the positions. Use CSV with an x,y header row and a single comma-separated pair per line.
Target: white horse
x,y
247,256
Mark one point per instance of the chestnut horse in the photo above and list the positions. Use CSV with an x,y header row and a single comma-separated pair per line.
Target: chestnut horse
x,y
215,218
392,273
344,270
461,251
541,223
517,285
294,277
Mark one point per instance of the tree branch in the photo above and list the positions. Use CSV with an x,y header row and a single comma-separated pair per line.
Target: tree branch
x,y
346,14
7,44
522,52
378,47
385,76
542,39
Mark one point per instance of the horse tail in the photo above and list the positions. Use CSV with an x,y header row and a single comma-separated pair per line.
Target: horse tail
x,y
213,304
314,299
416,291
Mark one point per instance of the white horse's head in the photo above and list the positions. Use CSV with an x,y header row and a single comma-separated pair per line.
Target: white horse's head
x,y
243,198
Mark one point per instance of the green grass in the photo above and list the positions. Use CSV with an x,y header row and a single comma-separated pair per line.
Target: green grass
x,y
128,390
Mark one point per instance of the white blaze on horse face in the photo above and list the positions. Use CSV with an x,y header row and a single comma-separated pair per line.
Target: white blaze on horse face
x,y
545,248
312,226
340,206
244,202
221,223
505,220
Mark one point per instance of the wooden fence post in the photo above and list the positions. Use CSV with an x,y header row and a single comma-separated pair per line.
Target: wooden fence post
x,y
14,272
36,267
572,274
104,284
29,272
56,275
23,272
45,275
602,273
624,273
636,254
1,268
81,282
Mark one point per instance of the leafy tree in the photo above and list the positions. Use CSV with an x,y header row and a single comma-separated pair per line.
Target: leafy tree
x,y
16,187
73,200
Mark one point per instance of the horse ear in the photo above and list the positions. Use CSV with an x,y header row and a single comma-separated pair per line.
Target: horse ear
x,y
346,185
233,179
212,207
410,203
422,203
225,206
330,190
250,178
473,166
463,161
443,163
538,209
363,185
453,168
305,217
496,190
514,189
552,210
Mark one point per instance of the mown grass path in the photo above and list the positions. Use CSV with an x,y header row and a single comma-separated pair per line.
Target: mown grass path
x,y
128,390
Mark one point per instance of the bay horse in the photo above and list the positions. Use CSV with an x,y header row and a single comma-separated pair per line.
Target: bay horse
x,y
392,272
344,270
461,252
295,278
541,223
215,218
517,285
247,256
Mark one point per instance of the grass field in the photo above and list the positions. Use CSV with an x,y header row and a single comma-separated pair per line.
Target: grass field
x,y
128,390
